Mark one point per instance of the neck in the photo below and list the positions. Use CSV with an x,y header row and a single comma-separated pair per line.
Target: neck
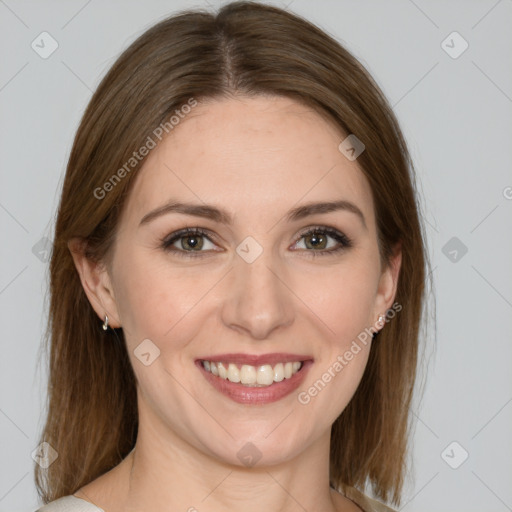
x,y
167,473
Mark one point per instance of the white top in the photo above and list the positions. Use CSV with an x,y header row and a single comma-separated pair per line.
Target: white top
x,y
73,504
70,504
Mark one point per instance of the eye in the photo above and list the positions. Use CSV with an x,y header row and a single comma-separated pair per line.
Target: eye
x,y
318,238
189,242
186,242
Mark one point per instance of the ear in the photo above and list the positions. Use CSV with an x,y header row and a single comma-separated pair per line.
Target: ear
x,y
388,282
96,283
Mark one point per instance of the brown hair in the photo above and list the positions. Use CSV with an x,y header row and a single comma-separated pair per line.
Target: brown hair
x,y
248,49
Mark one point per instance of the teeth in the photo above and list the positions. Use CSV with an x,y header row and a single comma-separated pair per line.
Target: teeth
x,y
253,376
233,372
279,372
223,371
265,375
248,374
288,368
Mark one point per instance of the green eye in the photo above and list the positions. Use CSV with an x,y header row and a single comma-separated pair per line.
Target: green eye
x,y
193,241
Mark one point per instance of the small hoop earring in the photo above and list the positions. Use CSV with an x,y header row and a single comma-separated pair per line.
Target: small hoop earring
x,y
105,324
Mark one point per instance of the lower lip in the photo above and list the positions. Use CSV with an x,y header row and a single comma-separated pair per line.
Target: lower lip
x,y
256,395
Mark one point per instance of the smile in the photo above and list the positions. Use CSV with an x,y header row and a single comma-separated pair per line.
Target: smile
x,y
252,379
253,376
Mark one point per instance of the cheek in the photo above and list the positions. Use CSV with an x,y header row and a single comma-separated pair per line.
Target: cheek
x,y
158,300
343,299
146,305
344,302
332,384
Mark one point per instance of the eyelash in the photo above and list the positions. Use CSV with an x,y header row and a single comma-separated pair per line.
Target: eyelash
x,y
166,243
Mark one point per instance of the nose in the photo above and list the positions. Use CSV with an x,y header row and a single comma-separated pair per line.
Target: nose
x,y
258,300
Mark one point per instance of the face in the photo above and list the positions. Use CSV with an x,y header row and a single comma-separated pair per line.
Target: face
x,y
253,287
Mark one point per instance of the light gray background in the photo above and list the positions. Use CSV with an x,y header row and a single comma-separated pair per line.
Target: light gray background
x,y
456,115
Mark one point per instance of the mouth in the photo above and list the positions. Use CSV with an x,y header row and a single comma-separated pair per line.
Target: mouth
x,y
255,379
253,376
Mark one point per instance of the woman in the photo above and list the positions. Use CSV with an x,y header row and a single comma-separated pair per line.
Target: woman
x,y
237,223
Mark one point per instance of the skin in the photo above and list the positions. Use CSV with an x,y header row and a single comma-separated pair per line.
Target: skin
x,y
257,158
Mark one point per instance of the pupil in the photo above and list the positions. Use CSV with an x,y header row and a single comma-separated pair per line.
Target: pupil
x,y
316,240
194,242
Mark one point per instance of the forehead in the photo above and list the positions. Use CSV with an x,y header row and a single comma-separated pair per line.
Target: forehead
x,y
251,156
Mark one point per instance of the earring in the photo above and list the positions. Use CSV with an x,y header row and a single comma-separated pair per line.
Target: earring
x,y
105,324
381,319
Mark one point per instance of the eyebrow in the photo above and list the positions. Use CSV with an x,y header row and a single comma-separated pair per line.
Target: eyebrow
x,y
222,216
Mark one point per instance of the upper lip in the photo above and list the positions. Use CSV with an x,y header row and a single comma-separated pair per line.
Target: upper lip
x,y
256,360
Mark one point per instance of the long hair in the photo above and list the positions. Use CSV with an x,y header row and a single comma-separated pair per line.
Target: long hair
x,y
246,49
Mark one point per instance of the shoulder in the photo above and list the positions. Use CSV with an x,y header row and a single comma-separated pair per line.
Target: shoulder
x,y
69,504
366,503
